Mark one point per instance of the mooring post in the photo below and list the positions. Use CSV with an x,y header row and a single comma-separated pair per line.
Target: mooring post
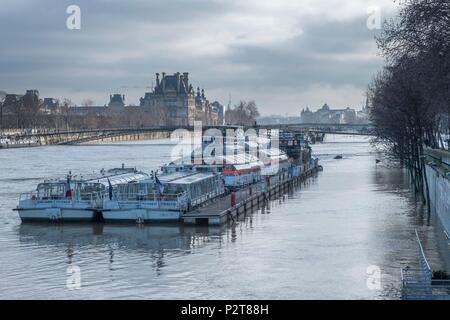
x,y
233,198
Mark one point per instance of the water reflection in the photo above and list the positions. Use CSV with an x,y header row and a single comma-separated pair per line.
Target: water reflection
x,y
314,242
149,238
150,242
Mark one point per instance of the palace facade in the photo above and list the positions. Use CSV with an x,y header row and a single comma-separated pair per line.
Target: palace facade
x,y
175,102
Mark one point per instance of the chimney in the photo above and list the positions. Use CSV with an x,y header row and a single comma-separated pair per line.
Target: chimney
x,y
123,98
157,79
186,78
178,82
163,82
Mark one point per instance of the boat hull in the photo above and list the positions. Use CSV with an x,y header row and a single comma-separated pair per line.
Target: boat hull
x,y
18,145
141,215
56,214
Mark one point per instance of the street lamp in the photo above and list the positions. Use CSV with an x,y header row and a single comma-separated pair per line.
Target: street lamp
x,y
1,118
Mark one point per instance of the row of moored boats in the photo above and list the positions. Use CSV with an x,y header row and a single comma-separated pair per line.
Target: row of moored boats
x,y
127,194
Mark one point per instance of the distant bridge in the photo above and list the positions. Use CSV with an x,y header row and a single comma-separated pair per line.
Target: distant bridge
x,y
325,128
155,132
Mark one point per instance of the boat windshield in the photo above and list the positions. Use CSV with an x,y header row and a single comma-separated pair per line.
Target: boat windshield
x,y
78,190
200,185
47,191
148,191
85,191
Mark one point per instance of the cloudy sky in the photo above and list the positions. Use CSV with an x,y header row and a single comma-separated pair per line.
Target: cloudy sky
x,y
284,54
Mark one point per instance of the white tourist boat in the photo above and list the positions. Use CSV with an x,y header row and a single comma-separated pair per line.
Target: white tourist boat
x,y
6,143
72,198
162,198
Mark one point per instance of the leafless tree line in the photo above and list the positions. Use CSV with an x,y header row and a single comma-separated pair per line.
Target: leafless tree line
x,y
409,99
244,113
28,112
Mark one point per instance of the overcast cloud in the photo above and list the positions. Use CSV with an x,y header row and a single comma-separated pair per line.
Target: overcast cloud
x,y
285,55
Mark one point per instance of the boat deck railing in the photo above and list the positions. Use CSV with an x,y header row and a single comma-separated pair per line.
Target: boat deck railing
x,y
166,197
179,197
34,195
205,197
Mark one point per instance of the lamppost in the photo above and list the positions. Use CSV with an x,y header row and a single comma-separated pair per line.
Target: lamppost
x,y
1,118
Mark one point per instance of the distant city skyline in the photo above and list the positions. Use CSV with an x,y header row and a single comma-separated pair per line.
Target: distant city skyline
x,y
283,55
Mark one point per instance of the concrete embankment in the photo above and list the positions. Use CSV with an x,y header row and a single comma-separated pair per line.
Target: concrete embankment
x,y
438,178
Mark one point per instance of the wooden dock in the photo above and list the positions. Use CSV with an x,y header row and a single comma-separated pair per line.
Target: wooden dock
x,y
251,198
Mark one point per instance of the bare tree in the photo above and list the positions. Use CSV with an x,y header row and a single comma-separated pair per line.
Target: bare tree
x,y
66,113
409,99
32,105
244,113
87,103
422,31
2,101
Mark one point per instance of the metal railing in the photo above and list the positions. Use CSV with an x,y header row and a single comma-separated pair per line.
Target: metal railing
x,y
442,157
35,196
146,197
205,197
418,283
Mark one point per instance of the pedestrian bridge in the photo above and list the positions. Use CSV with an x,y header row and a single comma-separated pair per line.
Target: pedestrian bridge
x,y
77,136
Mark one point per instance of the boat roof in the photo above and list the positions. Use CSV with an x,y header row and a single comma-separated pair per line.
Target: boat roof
x,y
169,177
115,176
273,153
246,166
193,178
120,178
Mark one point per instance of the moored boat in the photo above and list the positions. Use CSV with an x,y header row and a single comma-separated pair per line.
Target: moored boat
x,y
6,143
161,198
72,198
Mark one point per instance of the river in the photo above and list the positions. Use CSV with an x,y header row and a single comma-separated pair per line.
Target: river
x,y
316,243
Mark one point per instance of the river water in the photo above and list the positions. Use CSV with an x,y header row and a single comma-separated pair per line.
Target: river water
x,y
316,243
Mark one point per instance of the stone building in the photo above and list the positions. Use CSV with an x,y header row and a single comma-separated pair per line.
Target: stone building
x,y
14,101
116,102
326,115
51,105
116,105
217,116
173,101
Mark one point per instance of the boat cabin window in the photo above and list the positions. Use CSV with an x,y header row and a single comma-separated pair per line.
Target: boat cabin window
x,y
147,191
49,191
88,190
